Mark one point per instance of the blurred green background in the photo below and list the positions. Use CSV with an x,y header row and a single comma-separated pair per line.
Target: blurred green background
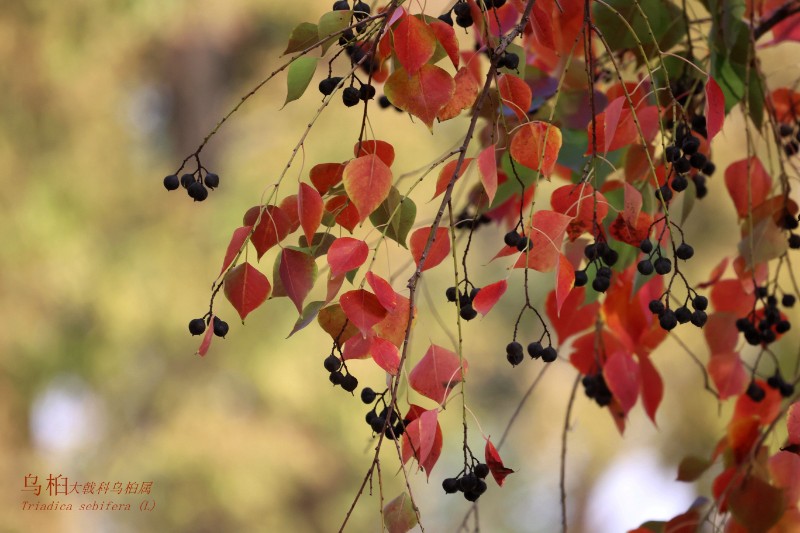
x,y
102,270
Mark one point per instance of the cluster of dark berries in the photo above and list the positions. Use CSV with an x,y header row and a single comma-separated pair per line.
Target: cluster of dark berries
x,y
471,482
790,137
660,265
765,326
334,365
536,350
603,257
350,95
515,240
197,326
194,185
466,220
790,223
595,387
508,60
377,421
463,15
668,319
360,9
776,381
684,155
464,300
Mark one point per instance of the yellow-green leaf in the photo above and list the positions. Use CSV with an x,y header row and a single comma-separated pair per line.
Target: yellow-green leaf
x,y
300,73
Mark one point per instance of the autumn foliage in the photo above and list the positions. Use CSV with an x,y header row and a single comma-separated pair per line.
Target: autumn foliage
x,y
543,95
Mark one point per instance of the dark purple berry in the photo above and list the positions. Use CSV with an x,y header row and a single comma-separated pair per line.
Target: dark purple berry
x,y
332,363
350,96
368,395
667,320
549,354
581,278
212,180
197,326
220,327
171,182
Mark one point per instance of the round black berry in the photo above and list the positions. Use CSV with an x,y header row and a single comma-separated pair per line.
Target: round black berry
x,y
523,244
788,300
709,168
535,349
698,160
672,153
350,96
782,327
481,470
514,358
377,424
611,257
461,9
667,320
451,294
450,485
511,238
645,267
514,347
664,193
447,18
549,354
172,182
197,326
336,377
220,327
682,166
349,383
581,278
368,395
786,389
679,183
332,363
690,145
684,251
656,307
361,10
328,85
601,283
366,92
699,318
468,312
468,482
464,22
510,61
384,102
662,266
794,241
755,392
700,303
646,246
212,180
186,180
683,314
341,5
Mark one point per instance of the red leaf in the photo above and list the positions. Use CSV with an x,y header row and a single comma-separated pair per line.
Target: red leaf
x,y
393,327
627,313
747,192
632,204
585,355
716,274
714,108
721,333
437,373
652,387
326,175
446,36
622,376
793,423
464,95
612,115
357,347
298,272
565,281
488,296
516,94
367,181
547,234
386,355
273,227
309,209
440,248
345,212
237,241
583,205
207,338
246,288
446,174
363,309
289,207
576,316
728,373
382,149
414,43
784,469
422,94
333,286
632,234
487,169
346,254
495,464
728,295
537,143
542,27
417,431
626,131
386,295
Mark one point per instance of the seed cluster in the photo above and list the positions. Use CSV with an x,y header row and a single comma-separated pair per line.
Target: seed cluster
x,y
469,481
197,326
602,257
378,420
196,184
790,137
347,380
466,311
684,156
595,387
764,325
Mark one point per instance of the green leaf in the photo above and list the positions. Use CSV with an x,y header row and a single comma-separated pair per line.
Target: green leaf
x,y
665,18
304,35
396,215
331,23
399,515
320,242
300,73
310,312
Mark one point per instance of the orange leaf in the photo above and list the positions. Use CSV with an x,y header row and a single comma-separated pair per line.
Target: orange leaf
x,y
326,175
765,411
382,149
367,181
386,295
446,174
747,191
439,250
437,373
446,36
728,373
414,43
487,169
422,94
516,94
345,212
565,281
464,95
488,296
385,354
537,143
345,254
546,235
586,207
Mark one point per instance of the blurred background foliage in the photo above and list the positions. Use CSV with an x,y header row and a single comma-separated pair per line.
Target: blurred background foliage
x,y
102,270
